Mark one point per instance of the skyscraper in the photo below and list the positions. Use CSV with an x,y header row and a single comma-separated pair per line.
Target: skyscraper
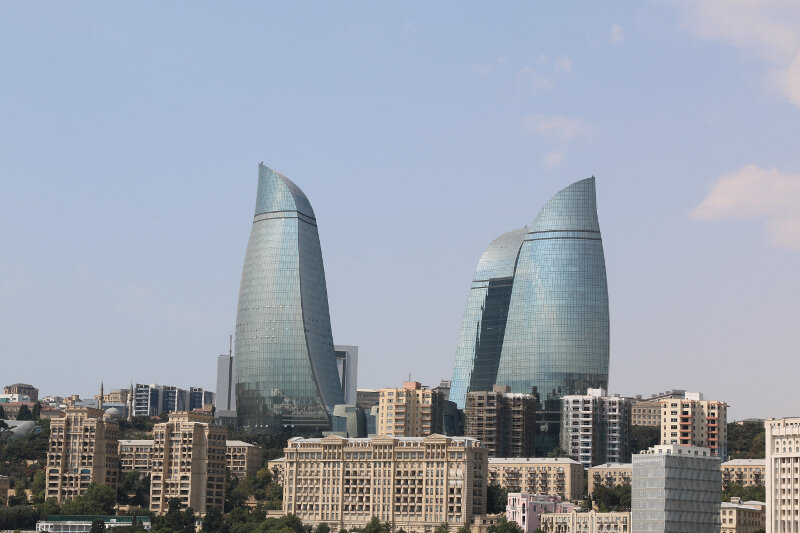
x,y
537,314
286,374
480,341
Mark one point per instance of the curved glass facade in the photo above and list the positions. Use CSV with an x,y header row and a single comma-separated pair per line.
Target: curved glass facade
x,y
481,338
286,375
557,333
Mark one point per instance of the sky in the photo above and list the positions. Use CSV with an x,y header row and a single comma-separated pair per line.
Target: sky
x,y
130,137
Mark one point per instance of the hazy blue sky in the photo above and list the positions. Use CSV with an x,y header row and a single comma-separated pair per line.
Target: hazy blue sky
x,y
130,136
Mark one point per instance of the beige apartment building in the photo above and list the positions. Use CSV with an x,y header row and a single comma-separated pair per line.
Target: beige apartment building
x,y
243,459
413,483
276,467
742,517
745,472
533,475
134,455
586,522
502,421
188,463
609,475
645,413
693,421
783,474
407,412
83,450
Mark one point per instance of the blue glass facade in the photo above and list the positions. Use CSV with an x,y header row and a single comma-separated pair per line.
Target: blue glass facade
x,y
286,374
480,341
537,313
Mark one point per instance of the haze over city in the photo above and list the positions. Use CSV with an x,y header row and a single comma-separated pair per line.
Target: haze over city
x,y
129,162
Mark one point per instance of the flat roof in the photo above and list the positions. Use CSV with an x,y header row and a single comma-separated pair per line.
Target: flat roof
x,y
548,460
135,442
745,462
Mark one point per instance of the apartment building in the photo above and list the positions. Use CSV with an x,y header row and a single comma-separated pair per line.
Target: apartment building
x,y
83,450
411,411
243,459
188,463
783,474
609,475
533,475
134,455
276,467
647,411
595,427
526,509
413,483
503,421
693,421
742,517
586,522
745,472
675,488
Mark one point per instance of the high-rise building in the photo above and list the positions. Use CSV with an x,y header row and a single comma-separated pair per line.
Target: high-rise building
x,y
596,428
134,455
188,463
23,388
347,364
537,314
367,398
675,489
693,421
155,400
83,450
412,483
483,327
286,375
225,400
408,412
782,446
503,421
243,458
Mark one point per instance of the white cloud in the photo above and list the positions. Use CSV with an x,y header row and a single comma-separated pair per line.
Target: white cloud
x,y
553,159
616,34
752,192
481,69
13,277
767,29
556,128
560,131
533,79
563,64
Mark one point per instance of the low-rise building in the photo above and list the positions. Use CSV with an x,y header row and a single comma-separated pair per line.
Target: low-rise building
x,y
526,509
23,388
586,522
276,467
243,459
742,517
609,475
83,524
413,483
134,455
538,475
11,409
745,472
188,463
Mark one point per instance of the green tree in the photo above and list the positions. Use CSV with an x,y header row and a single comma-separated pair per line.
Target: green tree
x,y
504,526
18,517
2,413
322,527
98,526
643,437
98,500
496,499
24,413
757,493
463,529
48,507
375,526
442,528
746,440
37,410
213,520
611,499
557,452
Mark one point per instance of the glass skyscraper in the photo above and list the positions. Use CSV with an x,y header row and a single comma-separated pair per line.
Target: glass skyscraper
x,y
555,325
286,374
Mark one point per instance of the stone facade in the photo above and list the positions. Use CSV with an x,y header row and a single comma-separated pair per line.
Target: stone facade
x,y
243,459
783,475
548,476
586,522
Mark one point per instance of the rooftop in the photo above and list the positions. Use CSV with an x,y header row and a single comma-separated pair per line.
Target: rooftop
x,y
745,462
533,460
